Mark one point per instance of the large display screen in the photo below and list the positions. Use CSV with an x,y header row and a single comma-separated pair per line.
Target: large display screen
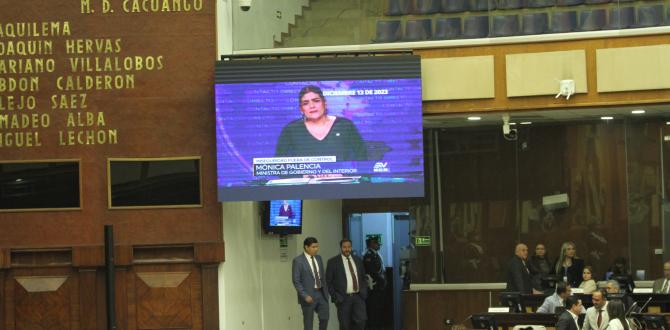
x,y
317,139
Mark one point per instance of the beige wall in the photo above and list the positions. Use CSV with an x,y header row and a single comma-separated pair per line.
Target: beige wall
x,y
255,289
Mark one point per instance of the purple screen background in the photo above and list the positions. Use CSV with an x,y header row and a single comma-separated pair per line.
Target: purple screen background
x,y
250,117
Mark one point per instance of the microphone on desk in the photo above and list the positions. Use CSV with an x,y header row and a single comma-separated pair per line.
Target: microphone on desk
x,y
630,310
645,304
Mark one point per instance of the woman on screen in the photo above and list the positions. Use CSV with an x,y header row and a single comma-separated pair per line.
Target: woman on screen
x,y
319,134
285,210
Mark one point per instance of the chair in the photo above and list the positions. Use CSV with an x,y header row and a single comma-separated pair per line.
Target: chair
x,y
426,7
388,31
591,20
509,4
569,2
649,16
481,5
563,21
448,28
536,23
418,29
398,7
621,18
596,2
505,26
476,27
539,3
454,6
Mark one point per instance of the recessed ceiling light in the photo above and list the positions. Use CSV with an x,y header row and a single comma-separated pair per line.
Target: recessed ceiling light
x,y
638,111
515,124
473,118
667,122
526,122
606,117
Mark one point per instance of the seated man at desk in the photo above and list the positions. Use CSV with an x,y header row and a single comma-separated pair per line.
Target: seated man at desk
x,y
568,320
662,285
557,299
614,292
596,316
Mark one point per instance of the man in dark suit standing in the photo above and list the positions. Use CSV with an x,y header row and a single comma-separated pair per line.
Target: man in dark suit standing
x,y
375,273
518,275
310,285
568,319
347,287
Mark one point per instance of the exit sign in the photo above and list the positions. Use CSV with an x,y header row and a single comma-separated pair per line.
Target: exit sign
x,y
422,240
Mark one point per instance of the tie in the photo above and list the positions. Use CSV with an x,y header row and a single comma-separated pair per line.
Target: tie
x,y
525,267
600,318
353,275
317,278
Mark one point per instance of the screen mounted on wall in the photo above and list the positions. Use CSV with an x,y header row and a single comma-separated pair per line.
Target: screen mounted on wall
x,y
319,128
283,217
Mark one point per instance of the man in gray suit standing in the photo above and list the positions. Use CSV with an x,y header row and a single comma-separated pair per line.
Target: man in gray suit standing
x,y
310,284
662,285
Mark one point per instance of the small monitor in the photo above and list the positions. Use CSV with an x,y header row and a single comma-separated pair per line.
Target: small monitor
x,y
511,300
483,321
654,321
283,217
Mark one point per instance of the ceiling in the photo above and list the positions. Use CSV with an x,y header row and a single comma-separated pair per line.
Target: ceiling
x,y
656,111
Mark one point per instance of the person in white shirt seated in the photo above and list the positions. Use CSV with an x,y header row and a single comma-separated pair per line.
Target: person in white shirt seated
x,y
662,285
617,314
588,283
597,317
557,299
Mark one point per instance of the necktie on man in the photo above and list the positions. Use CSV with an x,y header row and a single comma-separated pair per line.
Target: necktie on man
x,y
600,318
353,275
317,278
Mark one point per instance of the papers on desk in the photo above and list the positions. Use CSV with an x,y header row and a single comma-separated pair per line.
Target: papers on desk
x,y
498,309
577,290
643,290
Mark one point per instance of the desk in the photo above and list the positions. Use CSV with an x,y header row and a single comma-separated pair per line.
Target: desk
x,y
509,320
531,302
661,302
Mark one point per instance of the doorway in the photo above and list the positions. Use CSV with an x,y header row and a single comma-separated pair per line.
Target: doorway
x,y
392,229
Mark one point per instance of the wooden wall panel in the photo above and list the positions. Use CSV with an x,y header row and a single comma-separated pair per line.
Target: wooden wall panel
x,y
409,314
540,73
436,307
2,297
167,112
87,299
210,296
502,103
46,310
457,78
633,68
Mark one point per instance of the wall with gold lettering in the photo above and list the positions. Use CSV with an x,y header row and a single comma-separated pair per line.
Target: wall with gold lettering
x,y
98,79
